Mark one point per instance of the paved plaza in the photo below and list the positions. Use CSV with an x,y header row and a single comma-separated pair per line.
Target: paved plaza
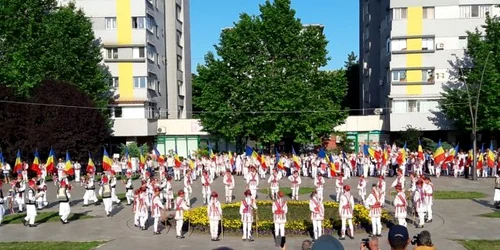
x,y
453,219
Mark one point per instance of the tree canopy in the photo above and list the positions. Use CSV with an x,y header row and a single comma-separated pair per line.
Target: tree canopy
x,y
40,41
480,64
66,120
351,100
266,81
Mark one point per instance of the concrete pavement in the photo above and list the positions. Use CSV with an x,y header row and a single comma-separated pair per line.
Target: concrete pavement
x,y
455,219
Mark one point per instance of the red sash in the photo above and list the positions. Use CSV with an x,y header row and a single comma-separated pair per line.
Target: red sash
x,y
215,210
319,181
228,179
279,208
380,184
402,200
295,180
207,183
178,205
246,206
377,200
348,205
253,178
317,208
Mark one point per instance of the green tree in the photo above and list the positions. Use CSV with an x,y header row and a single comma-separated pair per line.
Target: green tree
x,y
475,68
410,136
265,82
351,99
40,41
134,149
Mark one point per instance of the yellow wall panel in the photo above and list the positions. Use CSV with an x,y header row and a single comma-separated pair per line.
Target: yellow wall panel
x,y
414,28
124,21
126,81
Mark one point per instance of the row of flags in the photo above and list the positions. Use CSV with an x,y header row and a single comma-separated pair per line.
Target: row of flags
x,y
279,162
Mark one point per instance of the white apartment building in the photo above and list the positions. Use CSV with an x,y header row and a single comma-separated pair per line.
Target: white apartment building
x,y
406,47
146,46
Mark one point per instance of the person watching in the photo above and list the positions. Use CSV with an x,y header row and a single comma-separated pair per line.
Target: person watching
x,y
306,245
424,241
372,244
398,237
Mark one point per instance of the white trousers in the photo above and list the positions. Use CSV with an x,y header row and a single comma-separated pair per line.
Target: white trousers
x,y
187,196
114,198
229,194
376,225
214,228
343,230
247,230
136,219
30,214
205,191
142,220
402,221
178,227
108,205
130,196
317,228
429,212
77,175
431,169
89,195
279,229
64,210
320,193
339,193
421,218
274,192
253,190
156,222
2,212
295,192
177,174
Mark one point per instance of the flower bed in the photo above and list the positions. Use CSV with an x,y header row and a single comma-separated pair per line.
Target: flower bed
x,y
298,218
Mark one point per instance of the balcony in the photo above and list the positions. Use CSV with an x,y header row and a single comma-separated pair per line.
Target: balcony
x,y
178,25
134,127
180,75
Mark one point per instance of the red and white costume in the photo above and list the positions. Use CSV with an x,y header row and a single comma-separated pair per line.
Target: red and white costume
x,y
214,212
374,204
428,188
317,215
280,209
246,211
228,181
346,209
188,190
253,182
319,181
205,187
156,208
419,203
275,184
180,207
295,185
339,184
362,188
400,206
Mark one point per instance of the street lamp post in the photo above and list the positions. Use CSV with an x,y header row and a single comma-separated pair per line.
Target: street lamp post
x,y
473,113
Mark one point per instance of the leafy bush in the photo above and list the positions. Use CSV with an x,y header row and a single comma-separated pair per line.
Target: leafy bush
x,y
298,217
134,149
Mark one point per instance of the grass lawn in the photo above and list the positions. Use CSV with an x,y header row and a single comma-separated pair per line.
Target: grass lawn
x,y
42,217
480,244
40,245
457,195
288,191
495,214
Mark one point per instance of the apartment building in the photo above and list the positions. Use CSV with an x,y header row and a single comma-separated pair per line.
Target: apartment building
x,y
406,51
146,47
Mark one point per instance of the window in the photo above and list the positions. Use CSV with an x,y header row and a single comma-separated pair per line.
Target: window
x,y
462,42
138,22
118,112
115,82
110,22
474,11
151,53
178,12
151,24
399,106
399,13
428,12
399,76
413,106
398,44
112,53
151,82
388,45
427,43
180,110
428,75
140,82
179,63
180,88
138,52
179,37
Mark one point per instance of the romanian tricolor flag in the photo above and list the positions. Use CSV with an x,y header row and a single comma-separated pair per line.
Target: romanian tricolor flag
x,y
330,162
49,164
142,159
212,156
296,160
262,160
439,155
385,156
401,158
480,161
491,156
279,163
129,160
451,154
469,157
35,166
18,166
372,152
191,163
177,160
420,151
159,158
68,166
90,165
107,163
231,158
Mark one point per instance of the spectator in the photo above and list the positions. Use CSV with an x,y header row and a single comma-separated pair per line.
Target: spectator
x,y
372,244
327,242
306,245
424,241
398,237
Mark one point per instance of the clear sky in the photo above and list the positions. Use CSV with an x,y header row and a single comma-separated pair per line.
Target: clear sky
x,y
340,18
